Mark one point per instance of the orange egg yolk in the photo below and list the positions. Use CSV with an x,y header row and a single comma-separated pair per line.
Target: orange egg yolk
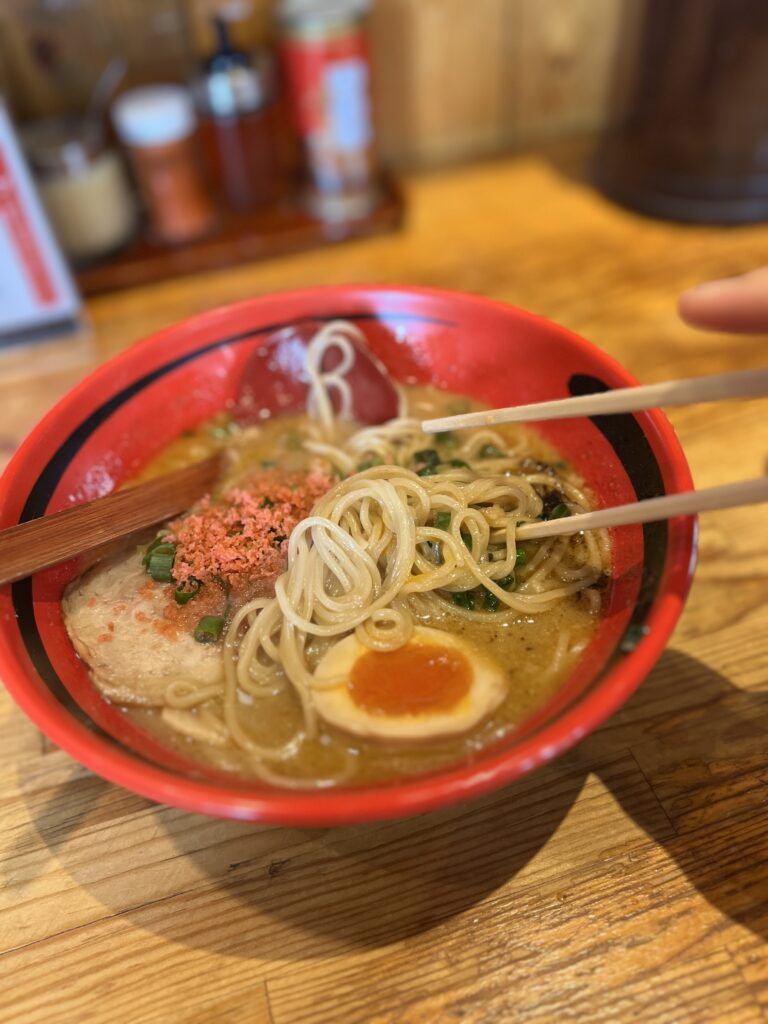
x,y
416,679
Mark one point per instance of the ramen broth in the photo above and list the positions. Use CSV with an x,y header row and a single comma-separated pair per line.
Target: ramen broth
x,y
537,651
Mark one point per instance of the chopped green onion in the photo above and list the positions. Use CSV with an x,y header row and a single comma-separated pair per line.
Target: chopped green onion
x,y
465,599
160,563
161,568
221,582
560,464
457,463
219,433
447,438
426,471
490,556
490,451
267,503
183,595
167,547
160,539
209,629
560,511
428,456
507,583
491,602
443,520
520,558
369,464
467,538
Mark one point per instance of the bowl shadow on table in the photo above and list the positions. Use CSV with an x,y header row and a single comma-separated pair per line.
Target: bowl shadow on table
x,y
300,894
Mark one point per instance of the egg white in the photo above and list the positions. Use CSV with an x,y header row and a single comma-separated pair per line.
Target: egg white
x,y
335,705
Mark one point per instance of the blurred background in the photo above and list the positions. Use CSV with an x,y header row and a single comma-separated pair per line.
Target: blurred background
x,y
453,80
169,136
144,141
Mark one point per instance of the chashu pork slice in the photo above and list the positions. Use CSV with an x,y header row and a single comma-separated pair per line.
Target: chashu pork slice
x,y
117,625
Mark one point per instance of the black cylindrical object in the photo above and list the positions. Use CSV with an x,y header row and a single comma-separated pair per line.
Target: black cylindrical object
x,y
692,144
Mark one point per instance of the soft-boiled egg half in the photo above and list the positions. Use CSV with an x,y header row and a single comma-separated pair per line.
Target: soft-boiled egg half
x,y
434,686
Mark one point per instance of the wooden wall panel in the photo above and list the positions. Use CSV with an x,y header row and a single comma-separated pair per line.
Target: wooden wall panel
x,y
456,56
566,50
460,78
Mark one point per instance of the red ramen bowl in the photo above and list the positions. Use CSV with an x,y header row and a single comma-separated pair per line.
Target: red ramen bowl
x,y
130,408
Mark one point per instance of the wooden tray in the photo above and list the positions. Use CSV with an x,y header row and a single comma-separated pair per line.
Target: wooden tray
x,y
239,237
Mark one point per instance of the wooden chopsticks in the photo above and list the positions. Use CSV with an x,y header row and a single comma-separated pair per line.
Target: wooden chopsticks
x,y
715,388
745,492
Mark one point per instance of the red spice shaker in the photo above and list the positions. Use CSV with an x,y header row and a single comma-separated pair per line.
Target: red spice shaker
x,y
327,69
157,126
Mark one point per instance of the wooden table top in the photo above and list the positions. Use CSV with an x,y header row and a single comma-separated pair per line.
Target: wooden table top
x,y
627,881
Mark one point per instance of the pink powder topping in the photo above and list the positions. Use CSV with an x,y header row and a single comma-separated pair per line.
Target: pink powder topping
x,y
246,533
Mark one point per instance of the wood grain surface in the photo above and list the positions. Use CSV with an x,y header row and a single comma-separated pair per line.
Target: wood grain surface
x,y
626,882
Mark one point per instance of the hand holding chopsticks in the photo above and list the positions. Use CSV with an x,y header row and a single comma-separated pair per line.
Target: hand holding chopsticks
x,y
719,387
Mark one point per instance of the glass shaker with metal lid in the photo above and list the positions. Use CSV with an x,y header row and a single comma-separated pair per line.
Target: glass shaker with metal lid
x,y
82,184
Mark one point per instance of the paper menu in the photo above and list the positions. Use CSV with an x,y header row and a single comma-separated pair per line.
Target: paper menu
x,y
37,294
